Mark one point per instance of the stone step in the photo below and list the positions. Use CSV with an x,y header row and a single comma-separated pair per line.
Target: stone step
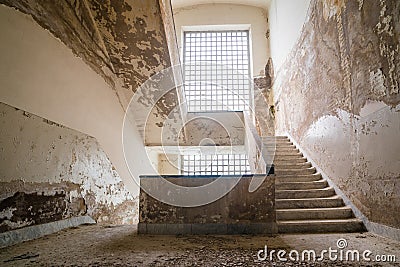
x,y
321,226
307,193
277,141
295,172
287,157
298,178
290,165
277,137
287,152
306,203
284,153
314,214
280,145
281,151
301,185
290,160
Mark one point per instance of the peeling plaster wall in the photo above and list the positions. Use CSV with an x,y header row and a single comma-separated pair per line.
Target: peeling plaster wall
x,y
50,172
41,75
172,41
71,22
123,41
337,95
286,18
134,36
264,108
223,128
221,14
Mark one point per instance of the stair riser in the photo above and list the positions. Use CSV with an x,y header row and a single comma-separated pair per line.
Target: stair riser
x,y
307,203
277,142
346,227
298,194
289,158
293,166
295,172
280,147
269,139
287,153
301,186
293,178
314,215
293,160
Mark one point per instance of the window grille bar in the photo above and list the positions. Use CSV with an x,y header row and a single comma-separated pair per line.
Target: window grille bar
x,y
218,164
216,70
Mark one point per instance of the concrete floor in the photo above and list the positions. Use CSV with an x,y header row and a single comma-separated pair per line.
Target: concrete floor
x,y
100,245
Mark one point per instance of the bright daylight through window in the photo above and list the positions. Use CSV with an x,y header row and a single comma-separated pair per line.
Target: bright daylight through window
x,y
216,70
218,164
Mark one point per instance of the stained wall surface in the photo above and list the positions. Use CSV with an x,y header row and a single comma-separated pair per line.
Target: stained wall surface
x,y
123,41
337,95
50,172
41,75
238,212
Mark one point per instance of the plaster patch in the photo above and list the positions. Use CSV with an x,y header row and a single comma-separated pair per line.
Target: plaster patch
x,y
360,4
332,8
384,25
7,213
377,81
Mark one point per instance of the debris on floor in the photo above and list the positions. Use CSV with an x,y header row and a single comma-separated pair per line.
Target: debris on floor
x,y
100,245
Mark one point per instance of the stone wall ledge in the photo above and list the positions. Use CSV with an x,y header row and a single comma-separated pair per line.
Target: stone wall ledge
x,y
36,231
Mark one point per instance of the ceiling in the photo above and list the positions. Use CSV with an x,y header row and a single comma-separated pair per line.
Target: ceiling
x,y
185,3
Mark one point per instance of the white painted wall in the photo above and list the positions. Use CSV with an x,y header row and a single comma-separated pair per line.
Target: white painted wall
x,y
286,19
221,14
39,74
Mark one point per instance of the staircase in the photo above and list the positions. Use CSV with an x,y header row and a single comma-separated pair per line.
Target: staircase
x,y
305,203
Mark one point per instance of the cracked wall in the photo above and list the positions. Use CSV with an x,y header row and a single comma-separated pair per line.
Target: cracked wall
x,y
50,172
337,95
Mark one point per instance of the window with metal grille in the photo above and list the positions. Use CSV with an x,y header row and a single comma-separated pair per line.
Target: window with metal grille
x,y
216,70
220,164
